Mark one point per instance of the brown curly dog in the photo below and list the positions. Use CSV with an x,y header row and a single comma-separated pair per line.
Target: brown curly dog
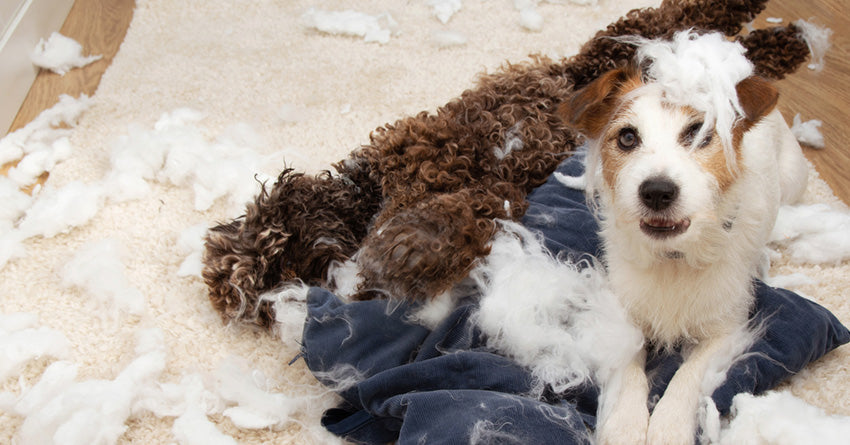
x,y
419,203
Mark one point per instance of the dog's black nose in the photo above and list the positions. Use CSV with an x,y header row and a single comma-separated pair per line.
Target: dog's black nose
x,y
658,193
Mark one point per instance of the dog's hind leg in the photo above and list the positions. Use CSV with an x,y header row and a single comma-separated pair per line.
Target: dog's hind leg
x,y
422,251
292,232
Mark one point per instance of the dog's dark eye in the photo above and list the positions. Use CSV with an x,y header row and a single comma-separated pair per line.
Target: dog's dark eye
x,y
627,139
691,133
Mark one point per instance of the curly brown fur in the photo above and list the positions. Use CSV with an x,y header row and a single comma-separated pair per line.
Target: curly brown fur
x,y
420,199
775,52
423,251
295,231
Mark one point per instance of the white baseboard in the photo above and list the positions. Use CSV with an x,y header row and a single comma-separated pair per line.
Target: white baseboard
x,y
23,24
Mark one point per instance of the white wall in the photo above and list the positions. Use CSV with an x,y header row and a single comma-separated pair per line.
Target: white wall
x,y
23,24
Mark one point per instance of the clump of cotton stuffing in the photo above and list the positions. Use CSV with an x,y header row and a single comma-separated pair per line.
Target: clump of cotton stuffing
x,y
443,10
48,127
817,39
177,151
191,243
21,342
98,269
815,233
58,209
700,71
448,38
60,54
252,405
808,132
556,317
60,409
779,418
372,28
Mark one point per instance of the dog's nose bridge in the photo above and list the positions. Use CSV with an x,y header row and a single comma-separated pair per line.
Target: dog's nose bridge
x,y
658,193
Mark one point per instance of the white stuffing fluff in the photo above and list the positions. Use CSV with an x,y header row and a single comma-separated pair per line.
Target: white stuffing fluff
x,y
790,281
779,418
43,131
60,54
817,38
178,152
290,305
808,132
686,69
292,114
344,278
448,38
513,141
11,247
193,427
98,269
37,162
21,342
529,18
57,210
58,409
444,9
254,406
555,317
373,28
573,182
191,242
816,233
15,203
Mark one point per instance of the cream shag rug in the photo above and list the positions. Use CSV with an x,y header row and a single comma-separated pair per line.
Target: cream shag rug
x,y
110,324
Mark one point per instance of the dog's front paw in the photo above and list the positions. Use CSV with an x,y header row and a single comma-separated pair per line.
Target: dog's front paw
x,y
624,426
671,424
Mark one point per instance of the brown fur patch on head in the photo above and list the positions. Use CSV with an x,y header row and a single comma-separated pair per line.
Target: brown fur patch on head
x,y
757,98
713,160
590,109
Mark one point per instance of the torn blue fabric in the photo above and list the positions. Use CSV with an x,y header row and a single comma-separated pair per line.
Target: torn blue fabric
x,y
415,385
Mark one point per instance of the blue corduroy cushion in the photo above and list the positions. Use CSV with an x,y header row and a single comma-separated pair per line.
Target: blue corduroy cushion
x,y
415,385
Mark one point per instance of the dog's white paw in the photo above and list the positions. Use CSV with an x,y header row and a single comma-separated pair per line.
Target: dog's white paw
x,y
671,424
624,427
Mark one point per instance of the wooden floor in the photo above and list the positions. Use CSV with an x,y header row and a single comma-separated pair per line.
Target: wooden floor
x,y
100,26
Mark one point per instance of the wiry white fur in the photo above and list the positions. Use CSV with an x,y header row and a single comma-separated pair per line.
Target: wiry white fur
x,y
554,316
688,69
692,288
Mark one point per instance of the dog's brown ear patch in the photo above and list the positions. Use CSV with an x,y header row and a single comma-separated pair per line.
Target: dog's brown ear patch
x,y
757,98
588,110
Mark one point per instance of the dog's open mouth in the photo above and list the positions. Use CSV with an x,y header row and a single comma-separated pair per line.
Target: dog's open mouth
x,y
664,227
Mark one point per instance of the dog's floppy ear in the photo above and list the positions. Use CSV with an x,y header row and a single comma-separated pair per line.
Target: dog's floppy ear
x,y
757,98
589,109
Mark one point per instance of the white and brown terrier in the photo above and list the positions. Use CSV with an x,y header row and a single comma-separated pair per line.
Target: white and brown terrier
x,y
688,164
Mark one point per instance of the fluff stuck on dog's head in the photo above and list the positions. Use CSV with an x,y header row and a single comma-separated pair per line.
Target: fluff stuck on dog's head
x,y
704,72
